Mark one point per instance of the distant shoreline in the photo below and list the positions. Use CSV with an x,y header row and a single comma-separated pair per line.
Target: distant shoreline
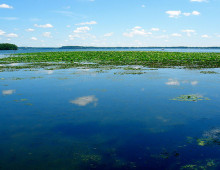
x,y
91,47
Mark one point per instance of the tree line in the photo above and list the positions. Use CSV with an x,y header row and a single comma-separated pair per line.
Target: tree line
x,y
7,46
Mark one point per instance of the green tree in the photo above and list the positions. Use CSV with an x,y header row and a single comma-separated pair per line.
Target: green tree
x,y
7,46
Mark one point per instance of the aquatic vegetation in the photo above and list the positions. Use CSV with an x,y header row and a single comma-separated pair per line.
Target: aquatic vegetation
x,y
130,72
21,100
199,165
210,137
208,72
151,59
190,97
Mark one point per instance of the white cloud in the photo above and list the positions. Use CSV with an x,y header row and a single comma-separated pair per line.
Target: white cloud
x,y
29,30
88,23
108,34
189,32
176,14
137,31
2,32
6,6
44,26
34,38
173,14
68,26
143,6
195,13
176,35
47,34
205,36
8,92
186,14
85,100
11,35
155,29
173,82
81,30
9,18
198,0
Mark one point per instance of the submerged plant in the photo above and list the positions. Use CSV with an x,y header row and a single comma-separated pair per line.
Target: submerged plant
x,y
190,97
200,165
210,137
208,72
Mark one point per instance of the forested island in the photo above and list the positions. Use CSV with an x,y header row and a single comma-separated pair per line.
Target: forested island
x,y
7,46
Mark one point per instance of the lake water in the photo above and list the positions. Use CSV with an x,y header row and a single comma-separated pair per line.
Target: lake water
x,y
110,119
4,53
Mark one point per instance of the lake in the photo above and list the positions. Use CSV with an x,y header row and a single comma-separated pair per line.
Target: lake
x,y
4,53
119,118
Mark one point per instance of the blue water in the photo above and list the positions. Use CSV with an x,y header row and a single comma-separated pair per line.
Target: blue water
x,y
108,119
4,53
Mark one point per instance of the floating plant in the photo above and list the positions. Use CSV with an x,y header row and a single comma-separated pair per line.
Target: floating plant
x,y
209,72
190,97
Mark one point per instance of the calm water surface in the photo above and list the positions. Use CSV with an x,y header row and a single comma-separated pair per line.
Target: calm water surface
x,y
109,119
5,53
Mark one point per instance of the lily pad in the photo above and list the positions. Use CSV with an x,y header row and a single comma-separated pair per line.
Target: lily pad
x,y
190,97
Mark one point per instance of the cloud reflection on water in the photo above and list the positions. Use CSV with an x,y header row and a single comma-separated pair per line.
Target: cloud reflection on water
x,y
174,82
85,100
8,92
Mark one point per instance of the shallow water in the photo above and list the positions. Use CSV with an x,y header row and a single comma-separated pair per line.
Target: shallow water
x,y
5,53
109,119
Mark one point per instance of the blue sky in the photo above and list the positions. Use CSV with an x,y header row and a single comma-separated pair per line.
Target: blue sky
x,y
52,23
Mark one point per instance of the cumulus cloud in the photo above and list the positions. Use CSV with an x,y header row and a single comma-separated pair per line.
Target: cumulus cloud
x,y
173,14
195,13
81,30
189,32
85,100
11,35
137,31
176,14
198,0
29,30
47,34
176,35
2,32
205,36
186,14
34,38
44,26
88,23
6,6
8,92
155,29
108,34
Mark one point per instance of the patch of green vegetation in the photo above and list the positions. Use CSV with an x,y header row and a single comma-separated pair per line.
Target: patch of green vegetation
x,y
21,100
151,59
208,72
201,165
7,46
17,78
130,72
191,97
29,104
